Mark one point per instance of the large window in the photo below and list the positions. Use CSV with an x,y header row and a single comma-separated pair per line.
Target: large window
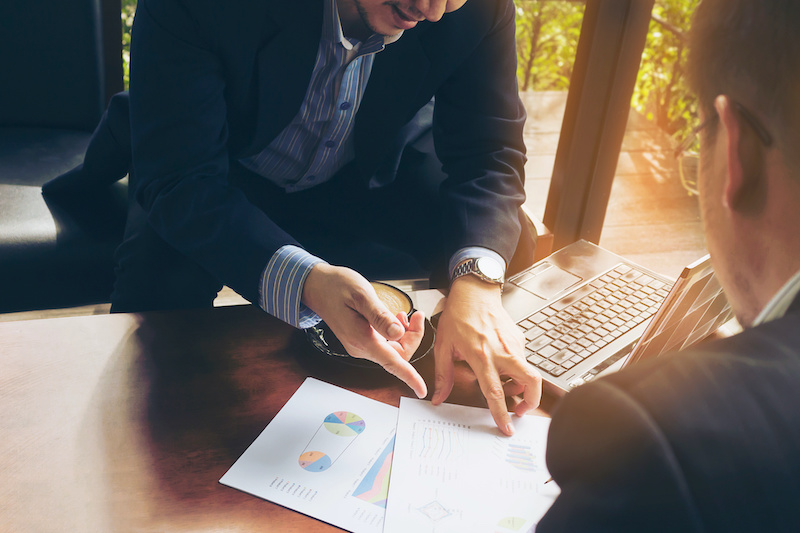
x,y
650,218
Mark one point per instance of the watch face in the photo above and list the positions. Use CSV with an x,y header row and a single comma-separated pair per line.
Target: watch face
x,y
489,268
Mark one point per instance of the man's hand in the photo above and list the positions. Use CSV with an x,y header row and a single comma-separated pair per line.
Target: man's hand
x,y
362,323
475,328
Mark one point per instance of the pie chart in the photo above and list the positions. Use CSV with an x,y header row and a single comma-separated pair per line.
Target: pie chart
x,y
314,461
344,424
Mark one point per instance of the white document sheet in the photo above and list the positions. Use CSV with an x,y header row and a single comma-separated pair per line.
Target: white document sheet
x,y
454,471
327,454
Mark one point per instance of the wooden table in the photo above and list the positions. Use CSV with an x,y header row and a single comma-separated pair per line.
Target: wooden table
x,y
126,422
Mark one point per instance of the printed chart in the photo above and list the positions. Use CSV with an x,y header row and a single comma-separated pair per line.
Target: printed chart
x,y
455,472
336,433
374,487
329,463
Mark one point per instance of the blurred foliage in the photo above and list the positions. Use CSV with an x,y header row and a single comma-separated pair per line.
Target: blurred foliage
x,y
547,40
128,10
662,93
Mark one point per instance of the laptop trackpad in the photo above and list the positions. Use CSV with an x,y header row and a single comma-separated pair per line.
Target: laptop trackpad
x,y
547,280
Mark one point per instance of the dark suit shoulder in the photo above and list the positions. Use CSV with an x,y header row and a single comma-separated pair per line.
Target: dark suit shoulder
x,y
721,420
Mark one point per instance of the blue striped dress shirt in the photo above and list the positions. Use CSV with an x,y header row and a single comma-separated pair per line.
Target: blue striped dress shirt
x,y
312,148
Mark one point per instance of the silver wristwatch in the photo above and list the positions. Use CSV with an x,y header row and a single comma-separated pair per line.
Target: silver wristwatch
x,y
485,268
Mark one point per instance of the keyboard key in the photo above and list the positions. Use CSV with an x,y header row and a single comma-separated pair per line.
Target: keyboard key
x,y
569,339
549,324
593,337
568,364
604,330
559,344
560,357
584,343
591,325
538,343
582,306
563,329
563,315
557,371
631,275
533,333
526,324
546,351
547,366
538,318
535,359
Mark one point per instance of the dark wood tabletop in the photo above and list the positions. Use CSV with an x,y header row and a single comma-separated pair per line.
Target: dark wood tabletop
x,y
126,422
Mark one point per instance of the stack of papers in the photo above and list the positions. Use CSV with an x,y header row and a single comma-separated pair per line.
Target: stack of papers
x,y
365,466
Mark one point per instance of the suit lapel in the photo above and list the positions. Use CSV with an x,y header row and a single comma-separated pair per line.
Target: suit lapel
x,y
284,67
395,81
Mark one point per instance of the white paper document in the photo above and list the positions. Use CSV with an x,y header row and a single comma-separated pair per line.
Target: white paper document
x,y
454,471
327,454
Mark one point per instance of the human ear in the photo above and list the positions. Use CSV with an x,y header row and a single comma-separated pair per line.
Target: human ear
x,y
744,187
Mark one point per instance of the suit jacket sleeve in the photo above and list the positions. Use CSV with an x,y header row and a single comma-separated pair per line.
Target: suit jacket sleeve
x,y
478,122
179,144
616,469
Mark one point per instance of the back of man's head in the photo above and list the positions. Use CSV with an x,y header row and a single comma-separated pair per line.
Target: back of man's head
x,y
750,51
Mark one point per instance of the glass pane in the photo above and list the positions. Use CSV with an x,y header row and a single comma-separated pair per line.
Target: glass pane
x,y
651,218
547,40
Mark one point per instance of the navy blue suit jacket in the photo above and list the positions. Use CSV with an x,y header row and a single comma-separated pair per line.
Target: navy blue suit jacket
x,y
212,82
700,441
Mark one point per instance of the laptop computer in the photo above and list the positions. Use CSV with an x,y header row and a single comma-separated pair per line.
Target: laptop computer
x,y
586,311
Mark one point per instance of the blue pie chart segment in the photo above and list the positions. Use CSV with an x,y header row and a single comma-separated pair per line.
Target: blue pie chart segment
x,y
314,461
344,424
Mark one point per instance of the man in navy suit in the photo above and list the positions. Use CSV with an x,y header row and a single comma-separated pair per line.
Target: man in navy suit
x,y
709,439
278,144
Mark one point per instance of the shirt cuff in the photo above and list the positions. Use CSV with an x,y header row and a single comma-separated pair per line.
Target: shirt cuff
x,y
282,286
474,252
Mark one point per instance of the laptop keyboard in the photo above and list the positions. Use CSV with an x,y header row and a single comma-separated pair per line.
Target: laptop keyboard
x,y
574,327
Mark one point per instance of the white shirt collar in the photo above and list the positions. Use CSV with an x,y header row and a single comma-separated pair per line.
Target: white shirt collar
x,y
779,303
333,27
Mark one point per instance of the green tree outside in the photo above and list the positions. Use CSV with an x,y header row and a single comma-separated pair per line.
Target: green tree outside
x,y
128,10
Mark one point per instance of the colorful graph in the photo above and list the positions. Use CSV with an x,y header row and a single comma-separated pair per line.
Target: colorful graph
x,y
374,488
341,424
440,442
521,457
314,461
344,424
